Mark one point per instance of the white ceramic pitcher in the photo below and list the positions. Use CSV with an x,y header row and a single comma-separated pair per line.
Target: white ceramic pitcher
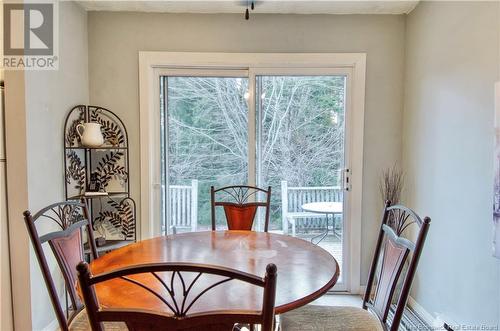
x,y
90,134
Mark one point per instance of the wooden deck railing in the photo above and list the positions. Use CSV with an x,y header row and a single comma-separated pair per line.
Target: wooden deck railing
x,y
183,202
292,199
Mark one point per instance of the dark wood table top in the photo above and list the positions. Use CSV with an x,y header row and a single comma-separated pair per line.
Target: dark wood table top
x,y
305,271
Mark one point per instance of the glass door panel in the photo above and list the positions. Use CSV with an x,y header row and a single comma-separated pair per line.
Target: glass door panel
x,y
204,140
301,138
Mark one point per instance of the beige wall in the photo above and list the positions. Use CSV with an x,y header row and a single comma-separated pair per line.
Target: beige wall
x,y
17,191
116,38
5,284
49,97
6,322
451,65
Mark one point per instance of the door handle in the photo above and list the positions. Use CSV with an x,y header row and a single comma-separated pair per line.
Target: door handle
x,y
346,179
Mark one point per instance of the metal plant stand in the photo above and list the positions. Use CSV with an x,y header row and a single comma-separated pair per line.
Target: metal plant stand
x,y
112,210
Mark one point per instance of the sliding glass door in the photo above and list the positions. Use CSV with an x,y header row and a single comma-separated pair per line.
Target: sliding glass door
x,y
204,142
284,129
301,134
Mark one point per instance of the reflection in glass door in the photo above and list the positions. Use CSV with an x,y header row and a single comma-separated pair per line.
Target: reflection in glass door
x,y
301,124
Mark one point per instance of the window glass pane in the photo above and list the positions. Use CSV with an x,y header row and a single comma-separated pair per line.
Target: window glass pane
x,y
207,144
301,153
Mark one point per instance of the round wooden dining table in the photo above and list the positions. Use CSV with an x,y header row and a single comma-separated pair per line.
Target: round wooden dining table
x,y
305,271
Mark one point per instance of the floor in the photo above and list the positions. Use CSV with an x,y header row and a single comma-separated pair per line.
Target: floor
x,y
345,300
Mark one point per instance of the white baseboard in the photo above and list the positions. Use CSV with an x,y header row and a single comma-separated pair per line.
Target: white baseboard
x,y
415,306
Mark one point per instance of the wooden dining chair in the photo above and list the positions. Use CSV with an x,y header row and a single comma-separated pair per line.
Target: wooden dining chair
x,y
62,225
391,275
180,286
240,203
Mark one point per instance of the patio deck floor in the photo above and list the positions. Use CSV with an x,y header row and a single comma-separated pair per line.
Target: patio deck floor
x,y
332,244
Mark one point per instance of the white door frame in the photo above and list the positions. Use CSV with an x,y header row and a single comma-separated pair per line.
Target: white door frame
x,y
150,68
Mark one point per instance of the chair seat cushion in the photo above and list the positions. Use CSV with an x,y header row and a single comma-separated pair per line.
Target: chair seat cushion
x,y
328,318
81,323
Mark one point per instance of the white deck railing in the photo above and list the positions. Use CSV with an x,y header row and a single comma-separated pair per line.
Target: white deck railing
x,y
292,199
183,203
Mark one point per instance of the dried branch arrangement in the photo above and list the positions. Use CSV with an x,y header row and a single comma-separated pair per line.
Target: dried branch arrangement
x,y
391,184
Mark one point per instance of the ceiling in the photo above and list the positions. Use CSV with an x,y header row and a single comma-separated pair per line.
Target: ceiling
x,y
262,6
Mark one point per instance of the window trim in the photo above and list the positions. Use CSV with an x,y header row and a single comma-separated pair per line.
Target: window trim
x,y
151,66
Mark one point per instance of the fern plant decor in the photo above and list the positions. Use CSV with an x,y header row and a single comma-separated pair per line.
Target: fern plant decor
x,y
109,168
120,218
75,172
111,131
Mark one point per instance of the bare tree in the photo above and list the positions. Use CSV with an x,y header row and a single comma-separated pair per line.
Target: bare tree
x,y
300,138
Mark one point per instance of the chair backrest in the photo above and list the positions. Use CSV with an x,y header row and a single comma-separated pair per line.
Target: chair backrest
x,y
68,217
240,205
394,263
167,278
